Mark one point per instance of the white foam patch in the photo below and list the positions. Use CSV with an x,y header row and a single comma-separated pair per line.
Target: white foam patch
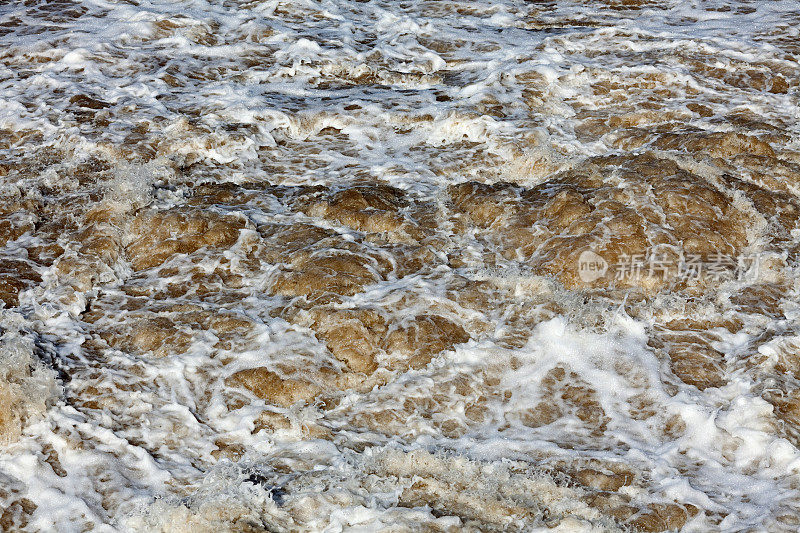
x,y
27,387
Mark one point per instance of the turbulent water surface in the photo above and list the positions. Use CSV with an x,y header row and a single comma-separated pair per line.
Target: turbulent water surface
x,y
421,265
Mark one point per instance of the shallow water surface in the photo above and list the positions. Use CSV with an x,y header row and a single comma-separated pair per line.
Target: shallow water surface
x,y
411,265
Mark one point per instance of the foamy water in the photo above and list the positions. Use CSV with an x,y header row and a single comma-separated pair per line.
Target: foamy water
x,y
399,266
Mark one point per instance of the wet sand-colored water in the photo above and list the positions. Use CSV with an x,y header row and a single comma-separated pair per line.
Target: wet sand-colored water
x,y
399,266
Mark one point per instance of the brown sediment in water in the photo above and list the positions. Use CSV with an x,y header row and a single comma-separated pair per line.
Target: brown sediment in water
x,y
316,267
618,207
242,289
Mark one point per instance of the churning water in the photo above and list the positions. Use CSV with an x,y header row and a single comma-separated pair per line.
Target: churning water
x,y
387,265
